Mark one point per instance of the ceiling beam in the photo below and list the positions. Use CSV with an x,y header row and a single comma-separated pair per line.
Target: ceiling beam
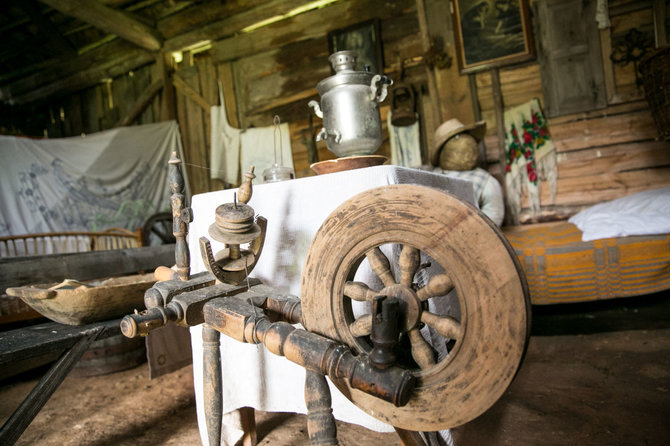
x,y
110,20
57,78
47,28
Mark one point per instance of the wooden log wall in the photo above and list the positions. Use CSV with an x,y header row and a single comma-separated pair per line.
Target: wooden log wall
x,y
273,70
602,154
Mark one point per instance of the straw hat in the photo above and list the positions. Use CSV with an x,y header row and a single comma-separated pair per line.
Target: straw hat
x,y
452,128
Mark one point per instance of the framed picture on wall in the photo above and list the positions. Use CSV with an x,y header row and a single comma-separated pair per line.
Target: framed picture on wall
x,y
491,33
365,39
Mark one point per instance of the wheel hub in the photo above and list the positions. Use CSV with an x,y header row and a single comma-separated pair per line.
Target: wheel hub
x,y
410,305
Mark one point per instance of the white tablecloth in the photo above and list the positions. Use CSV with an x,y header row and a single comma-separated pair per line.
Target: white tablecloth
x,y
295,210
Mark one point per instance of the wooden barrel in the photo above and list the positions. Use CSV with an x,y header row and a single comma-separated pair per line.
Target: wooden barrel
x,y
110,355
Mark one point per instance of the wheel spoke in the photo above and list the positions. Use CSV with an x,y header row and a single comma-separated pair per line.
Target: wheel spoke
x,y
380,266
437,286
445,325
409,262
422,352
359,291
361,326
163,235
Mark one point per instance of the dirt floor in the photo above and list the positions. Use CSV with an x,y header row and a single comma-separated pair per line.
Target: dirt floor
x,y
593,375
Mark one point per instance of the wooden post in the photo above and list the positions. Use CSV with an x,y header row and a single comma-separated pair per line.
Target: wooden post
x,y
500,115
660,35
430,73
608,67
474,97
500,130
165,69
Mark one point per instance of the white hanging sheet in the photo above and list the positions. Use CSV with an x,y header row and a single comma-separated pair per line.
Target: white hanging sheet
x,y
234,150
115,178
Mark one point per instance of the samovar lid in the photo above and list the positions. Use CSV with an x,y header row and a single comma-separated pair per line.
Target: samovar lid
x,y
344,63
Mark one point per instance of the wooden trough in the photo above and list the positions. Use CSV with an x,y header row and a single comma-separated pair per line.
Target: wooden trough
x,y
75,302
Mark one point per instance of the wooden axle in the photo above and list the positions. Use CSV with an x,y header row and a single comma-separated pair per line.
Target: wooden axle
x,y
244,322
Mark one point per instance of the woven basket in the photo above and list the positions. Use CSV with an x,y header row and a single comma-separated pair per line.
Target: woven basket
x,y
655,70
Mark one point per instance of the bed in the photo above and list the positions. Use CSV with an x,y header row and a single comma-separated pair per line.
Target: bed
x,y
615,249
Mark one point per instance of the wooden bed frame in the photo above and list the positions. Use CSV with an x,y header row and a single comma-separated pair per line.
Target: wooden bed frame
x,y
561,268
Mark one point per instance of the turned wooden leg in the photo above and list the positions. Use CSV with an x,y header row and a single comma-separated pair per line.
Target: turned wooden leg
x,y
248,415
320,421
212,383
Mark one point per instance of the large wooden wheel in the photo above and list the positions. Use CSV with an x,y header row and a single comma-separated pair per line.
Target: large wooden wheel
x,y
157,230
486,337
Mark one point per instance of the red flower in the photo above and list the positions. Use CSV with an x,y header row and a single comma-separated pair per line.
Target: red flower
x,y
532,176
529,167
511,155
528,154
543,132
527,137
514,131
508,168
534,119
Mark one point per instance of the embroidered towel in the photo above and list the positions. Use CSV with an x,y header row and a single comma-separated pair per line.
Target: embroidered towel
x,y
530,156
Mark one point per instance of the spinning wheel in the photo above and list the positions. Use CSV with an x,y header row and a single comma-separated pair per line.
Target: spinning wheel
x,y
157,230
487,334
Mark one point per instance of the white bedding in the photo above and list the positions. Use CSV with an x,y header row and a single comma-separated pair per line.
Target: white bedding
x,y
643,213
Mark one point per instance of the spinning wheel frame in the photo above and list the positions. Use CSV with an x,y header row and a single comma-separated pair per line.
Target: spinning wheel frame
x,y
492,294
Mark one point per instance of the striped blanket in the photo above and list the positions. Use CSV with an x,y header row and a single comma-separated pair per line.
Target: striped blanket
x,y
560,268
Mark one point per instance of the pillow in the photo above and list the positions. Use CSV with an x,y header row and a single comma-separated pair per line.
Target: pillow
x,y
643,213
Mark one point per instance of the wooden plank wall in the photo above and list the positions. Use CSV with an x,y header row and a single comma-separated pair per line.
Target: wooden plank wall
x,y
603,154
277,71
99,108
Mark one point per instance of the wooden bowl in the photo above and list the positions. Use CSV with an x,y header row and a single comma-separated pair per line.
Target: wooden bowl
x,y
79,303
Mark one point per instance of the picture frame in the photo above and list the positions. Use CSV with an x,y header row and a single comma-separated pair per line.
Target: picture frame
x,y
365,39
491,33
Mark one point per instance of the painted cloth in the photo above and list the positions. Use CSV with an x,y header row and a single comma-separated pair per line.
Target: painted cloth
x,y
530,156
232,148
488,192
405,144
115,178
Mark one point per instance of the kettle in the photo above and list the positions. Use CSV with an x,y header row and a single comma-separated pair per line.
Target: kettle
x,y
350,107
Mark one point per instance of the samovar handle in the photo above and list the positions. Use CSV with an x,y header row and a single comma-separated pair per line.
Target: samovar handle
x,y
317,108
378,93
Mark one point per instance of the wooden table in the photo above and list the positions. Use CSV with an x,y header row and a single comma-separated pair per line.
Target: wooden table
x,y
37,340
